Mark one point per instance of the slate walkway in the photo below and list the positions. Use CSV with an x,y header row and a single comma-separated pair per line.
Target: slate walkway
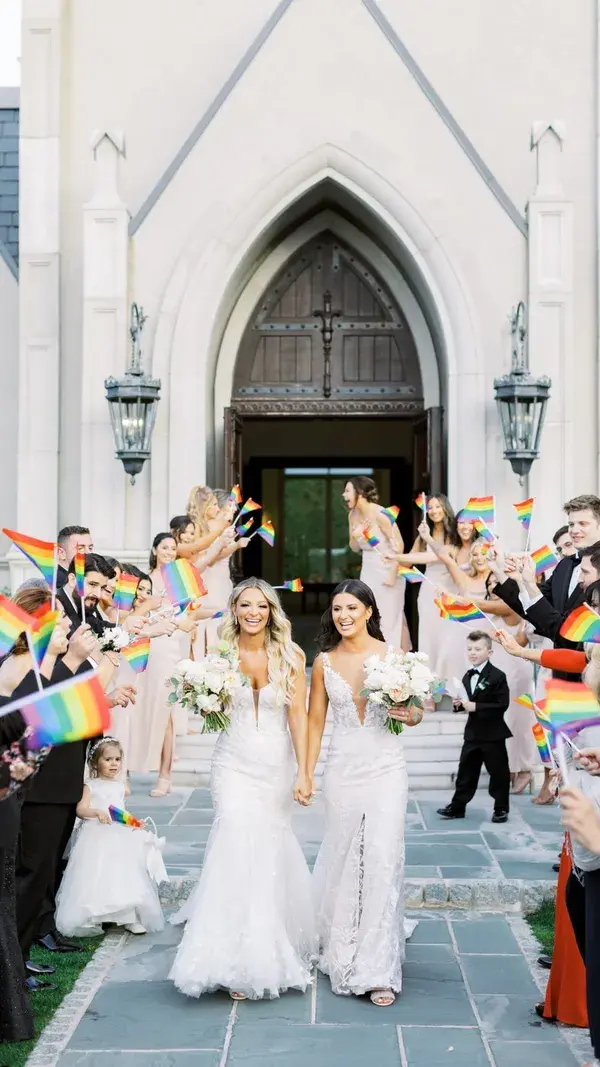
x,y
469,985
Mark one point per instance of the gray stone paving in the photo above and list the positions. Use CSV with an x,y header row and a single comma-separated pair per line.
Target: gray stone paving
x,y
470,984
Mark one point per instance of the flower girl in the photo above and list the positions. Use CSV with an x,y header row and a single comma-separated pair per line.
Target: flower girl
x,y
113,870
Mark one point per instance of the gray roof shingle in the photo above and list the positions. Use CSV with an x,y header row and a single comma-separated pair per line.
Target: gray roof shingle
x,y
9,177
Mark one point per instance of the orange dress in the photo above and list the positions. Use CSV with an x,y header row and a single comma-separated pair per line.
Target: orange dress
x,y
565,995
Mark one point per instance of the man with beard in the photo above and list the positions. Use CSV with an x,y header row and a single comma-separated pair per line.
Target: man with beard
x,y
97,575
71,539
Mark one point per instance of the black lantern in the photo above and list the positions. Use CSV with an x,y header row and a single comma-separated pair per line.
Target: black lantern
x,y
521,401
132,402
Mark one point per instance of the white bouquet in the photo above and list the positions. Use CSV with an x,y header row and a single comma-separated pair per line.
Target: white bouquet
x,y
206,686
114,639
398,680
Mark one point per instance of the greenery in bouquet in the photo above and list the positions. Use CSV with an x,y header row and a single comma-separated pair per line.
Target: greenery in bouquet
x,y
401,679
205,687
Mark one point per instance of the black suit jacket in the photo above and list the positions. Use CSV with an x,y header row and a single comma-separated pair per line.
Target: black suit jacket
x,y
492,698
61,577
73,612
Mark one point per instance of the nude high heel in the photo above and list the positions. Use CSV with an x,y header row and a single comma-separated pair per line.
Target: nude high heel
x,y
161,790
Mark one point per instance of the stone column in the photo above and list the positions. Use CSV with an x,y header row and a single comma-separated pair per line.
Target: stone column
x,y
39,300
551,327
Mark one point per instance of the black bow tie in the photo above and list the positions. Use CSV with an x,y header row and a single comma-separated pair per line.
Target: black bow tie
x,y
474,671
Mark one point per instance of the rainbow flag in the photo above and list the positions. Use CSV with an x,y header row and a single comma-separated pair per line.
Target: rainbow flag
x,y
541,741
125,590
392,513
370,538
526,700
136,653
483,530
267,532
244,528
570,706
70,711
182,581
544,559
583,624
458,612
421,502
249,506
13,621
524,512
410,573
41,553
480,507
438,603
235,496
218,615
80,573
294,585
124,818
40,636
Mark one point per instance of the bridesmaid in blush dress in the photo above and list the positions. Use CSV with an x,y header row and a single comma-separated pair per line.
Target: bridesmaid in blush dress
x,y
366,517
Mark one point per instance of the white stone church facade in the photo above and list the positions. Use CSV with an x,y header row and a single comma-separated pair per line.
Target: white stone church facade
x,y
213,162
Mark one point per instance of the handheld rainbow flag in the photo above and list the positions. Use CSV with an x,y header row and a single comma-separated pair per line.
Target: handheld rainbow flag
x,y
124,818
524,512
483,531
218,615
249,506
481,507
235,496
125,590
526,700
456,611
392,513
410,573
13,621
267,532
542,744
370,538
245,527
41,553
41,635
80,573
438,603
182,581
570,706
583,624
70,711
544,559
421,502
294,585
136,653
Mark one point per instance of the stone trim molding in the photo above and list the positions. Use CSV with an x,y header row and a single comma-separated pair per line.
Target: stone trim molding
x,y
8,258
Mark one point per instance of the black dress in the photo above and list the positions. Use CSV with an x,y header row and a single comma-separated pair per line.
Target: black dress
x,y
16,1017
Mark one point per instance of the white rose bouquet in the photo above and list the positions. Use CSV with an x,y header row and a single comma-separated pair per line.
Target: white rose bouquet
x,y
401,679
206,686
113,639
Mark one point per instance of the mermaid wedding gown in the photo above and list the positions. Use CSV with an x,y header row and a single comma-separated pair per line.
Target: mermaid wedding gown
x,y
250,921
359,873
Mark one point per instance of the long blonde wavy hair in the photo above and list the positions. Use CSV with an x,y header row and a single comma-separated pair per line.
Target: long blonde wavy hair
x,y
200,496
284,658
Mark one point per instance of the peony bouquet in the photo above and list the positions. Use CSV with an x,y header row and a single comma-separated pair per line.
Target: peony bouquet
x,y
401,679
206,686
113,639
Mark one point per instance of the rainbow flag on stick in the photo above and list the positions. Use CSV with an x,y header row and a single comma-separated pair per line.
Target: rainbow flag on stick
x,y
570,707
244,528
249,506
410,573
183,582
439,605
524,512
125,590
544,559
13,621
370,538
457,611
583,624
267,532
480,507
80,573
421,502
294,585
235,496
70,711
41,553
136,653
124,818
392,513
484,531
41,635
526,700
543,747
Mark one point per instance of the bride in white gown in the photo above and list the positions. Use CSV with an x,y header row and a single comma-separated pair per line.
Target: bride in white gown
x,y
359,873
250,921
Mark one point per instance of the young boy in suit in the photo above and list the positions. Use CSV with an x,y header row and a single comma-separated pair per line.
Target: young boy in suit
x,y
485,732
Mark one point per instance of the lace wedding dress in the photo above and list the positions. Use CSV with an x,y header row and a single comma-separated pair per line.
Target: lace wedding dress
x,y
359,873
250,921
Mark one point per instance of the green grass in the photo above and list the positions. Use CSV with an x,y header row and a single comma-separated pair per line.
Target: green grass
x,y
542,924
69,966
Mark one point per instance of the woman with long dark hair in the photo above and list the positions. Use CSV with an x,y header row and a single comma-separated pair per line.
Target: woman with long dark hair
x,y
359,873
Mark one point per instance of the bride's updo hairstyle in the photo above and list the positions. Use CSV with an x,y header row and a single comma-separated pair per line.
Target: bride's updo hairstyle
x,y
284,658
364,487
329,635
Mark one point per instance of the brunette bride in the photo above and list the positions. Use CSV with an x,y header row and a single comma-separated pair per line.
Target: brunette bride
x,y
359,873
250,922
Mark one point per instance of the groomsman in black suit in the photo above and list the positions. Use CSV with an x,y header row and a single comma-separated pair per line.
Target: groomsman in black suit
x,y
485,732
71,539
97,574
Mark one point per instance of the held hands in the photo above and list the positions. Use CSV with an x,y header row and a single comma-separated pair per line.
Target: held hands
x,y
303,789
580,816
